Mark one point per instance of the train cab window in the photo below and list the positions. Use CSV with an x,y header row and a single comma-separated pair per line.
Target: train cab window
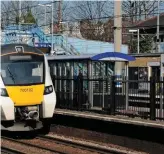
x,y
22,73
37,71
3,73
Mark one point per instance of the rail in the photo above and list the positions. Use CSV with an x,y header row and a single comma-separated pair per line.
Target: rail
x,y
32,145
76,144
10,151
92,147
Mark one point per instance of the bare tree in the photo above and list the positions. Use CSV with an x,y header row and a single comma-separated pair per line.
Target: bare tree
x,y
40,13
136,11
139,10
10,11
92,15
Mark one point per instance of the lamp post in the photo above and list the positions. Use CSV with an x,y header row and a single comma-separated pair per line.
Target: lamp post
x,y
161,65
138,38
45,13
158,45
52,30
19,21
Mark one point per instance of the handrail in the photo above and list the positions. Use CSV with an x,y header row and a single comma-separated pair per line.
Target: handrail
x,y
40,34
63,42
33,28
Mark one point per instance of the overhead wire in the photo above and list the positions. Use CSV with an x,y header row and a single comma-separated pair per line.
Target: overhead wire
x,y
88,19
27,7
45,4
104,17
112,27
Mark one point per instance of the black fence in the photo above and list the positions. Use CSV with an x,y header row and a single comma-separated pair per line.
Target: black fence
x,y
82,93
145,102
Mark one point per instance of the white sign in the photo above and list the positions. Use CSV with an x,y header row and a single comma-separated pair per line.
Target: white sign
x,y
162,58
153,64
162,69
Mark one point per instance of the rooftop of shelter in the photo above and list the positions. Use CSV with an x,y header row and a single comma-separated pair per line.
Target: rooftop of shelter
x,y
107,56
146,54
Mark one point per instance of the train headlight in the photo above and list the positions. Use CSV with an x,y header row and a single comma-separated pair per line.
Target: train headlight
x,y
48,90
3,92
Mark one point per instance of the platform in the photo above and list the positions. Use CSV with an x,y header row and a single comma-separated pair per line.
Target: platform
x,y
110,118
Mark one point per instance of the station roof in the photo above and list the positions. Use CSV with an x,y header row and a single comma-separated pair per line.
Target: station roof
x,y
146,54
151,22
150,25
107,56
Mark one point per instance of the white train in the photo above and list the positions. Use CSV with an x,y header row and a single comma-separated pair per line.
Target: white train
x,y
27,97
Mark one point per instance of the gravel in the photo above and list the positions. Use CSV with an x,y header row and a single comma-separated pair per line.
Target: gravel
x,y
22,148
87,137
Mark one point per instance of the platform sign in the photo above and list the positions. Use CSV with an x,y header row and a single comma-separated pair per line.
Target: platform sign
x,y
43,45
162,58
153,64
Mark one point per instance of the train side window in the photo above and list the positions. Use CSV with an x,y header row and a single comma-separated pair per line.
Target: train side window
x,y
37,70
3,73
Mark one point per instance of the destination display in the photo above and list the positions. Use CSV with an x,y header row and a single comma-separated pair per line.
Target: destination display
x,y
23,57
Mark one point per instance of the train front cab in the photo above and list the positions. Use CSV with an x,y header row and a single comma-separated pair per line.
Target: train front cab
x,y
27,94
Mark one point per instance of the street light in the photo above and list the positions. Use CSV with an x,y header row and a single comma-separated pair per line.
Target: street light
x,y
19,37
138,38
158,45
45,6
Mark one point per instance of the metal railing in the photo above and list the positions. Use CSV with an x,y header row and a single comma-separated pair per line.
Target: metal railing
x,y
144,103
32,29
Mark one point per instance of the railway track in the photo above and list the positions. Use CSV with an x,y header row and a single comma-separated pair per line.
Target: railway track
x,y
5,150
91,147
54,144
28,145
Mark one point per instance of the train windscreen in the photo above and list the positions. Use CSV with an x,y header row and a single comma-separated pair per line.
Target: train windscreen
x,y
23,70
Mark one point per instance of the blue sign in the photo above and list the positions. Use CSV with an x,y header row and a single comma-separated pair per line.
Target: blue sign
x,y
44,45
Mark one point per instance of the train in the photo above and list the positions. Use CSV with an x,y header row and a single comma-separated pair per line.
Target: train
x,y
28,97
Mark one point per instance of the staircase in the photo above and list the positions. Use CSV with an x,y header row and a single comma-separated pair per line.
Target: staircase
x,y
12,34
42,37
62,41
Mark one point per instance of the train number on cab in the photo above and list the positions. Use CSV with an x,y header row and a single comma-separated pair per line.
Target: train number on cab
x,y
26,90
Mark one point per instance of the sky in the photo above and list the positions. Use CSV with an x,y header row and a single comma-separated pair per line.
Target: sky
x,y
66,15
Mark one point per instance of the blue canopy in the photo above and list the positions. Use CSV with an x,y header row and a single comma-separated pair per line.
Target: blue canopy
x,y
116,56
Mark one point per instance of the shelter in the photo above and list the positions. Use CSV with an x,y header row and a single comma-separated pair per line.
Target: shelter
x,y
94,70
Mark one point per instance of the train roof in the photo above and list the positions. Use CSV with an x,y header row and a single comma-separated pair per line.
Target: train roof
x,y
106,56
10,48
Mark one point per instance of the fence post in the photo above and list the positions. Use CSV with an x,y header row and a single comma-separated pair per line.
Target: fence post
x,y
80,93
161,98
152,98
127,92
113,92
